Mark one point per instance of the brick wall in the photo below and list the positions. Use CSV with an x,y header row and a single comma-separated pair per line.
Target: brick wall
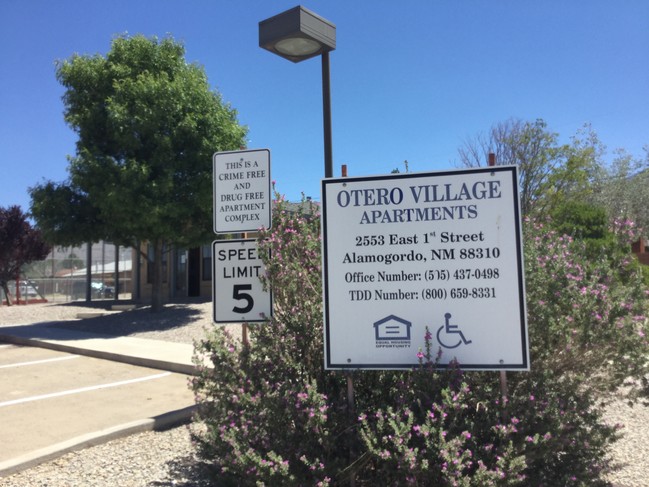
x,y
640,249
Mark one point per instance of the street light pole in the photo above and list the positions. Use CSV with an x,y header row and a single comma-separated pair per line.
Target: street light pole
x,y
326,116
299,34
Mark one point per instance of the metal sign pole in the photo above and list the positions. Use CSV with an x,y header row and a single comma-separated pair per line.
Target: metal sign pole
x,y
350,381
350,375
503,373
244,326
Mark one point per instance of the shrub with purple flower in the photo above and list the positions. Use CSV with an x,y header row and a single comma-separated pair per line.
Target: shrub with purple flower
x,y
271,415
586,316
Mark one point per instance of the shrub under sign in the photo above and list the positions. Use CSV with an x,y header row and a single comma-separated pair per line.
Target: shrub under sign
x,y
434,255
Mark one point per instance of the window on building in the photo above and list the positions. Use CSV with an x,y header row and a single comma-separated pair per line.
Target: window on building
x,y
206,252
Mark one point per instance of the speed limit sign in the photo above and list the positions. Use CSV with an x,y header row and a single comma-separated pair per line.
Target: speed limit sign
x,y
237,293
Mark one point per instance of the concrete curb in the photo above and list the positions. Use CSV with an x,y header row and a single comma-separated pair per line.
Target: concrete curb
x,y
157,423
51,343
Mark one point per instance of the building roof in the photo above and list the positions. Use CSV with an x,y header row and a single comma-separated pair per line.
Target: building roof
x,y
98,269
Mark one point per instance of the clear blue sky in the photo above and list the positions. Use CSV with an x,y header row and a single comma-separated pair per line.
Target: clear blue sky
x,y
411,79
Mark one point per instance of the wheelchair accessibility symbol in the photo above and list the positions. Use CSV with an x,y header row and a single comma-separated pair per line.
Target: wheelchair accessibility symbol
x,y
449,336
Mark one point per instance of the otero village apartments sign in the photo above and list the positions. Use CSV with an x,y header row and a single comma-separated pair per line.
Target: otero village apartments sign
x,y
407,253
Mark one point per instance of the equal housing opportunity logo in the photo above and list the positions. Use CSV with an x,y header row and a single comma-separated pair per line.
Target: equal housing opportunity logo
x,y
392,332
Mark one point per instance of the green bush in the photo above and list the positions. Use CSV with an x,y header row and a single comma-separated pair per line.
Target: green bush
x,y
586,223
644,270
272,415
581,220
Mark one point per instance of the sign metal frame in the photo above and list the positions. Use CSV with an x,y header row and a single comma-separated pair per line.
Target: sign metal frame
x,y
237,293
242,191
410,255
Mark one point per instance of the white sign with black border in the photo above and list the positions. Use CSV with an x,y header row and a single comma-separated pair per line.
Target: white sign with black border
x,y
237,293
438,251
242,191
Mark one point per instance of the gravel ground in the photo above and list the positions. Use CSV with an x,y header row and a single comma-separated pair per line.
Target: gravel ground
x,y
166,458
145,459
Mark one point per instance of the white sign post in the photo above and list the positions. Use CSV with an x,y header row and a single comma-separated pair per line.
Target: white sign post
x,y
403,254
242,191
238,295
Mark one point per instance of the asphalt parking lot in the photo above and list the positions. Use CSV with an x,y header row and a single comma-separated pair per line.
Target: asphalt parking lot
x,y
50,398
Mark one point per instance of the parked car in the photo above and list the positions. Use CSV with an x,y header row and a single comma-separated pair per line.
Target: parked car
x,y
101,290
27,289
97,290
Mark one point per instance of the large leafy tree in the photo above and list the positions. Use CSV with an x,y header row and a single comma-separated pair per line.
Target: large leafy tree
x,y
20,244
148,123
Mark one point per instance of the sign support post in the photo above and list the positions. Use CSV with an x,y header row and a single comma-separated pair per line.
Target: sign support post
x,y
503,373
350,373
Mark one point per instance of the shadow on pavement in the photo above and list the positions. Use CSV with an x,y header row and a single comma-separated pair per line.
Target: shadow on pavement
x,y
131,322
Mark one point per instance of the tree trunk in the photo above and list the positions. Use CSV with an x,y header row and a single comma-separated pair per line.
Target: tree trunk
x,y
116,296
5,288
89,271
135,274
156,291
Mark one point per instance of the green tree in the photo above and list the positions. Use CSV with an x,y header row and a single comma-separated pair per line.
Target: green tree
x,y
148,123
72,262
549,172
20,244
624,189
526,144
65,214
580,176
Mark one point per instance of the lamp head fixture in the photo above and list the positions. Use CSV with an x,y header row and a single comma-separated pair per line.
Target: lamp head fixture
x,y
297,34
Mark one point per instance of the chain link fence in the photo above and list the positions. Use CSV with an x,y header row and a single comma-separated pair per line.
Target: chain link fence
x,y
63,275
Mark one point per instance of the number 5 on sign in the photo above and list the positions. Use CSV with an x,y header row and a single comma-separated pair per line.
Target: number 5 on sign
x,y
237,293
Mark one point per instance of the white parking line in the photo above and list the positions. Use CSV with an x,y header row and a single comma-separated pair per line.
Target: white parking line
x,y
36,362
83,389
